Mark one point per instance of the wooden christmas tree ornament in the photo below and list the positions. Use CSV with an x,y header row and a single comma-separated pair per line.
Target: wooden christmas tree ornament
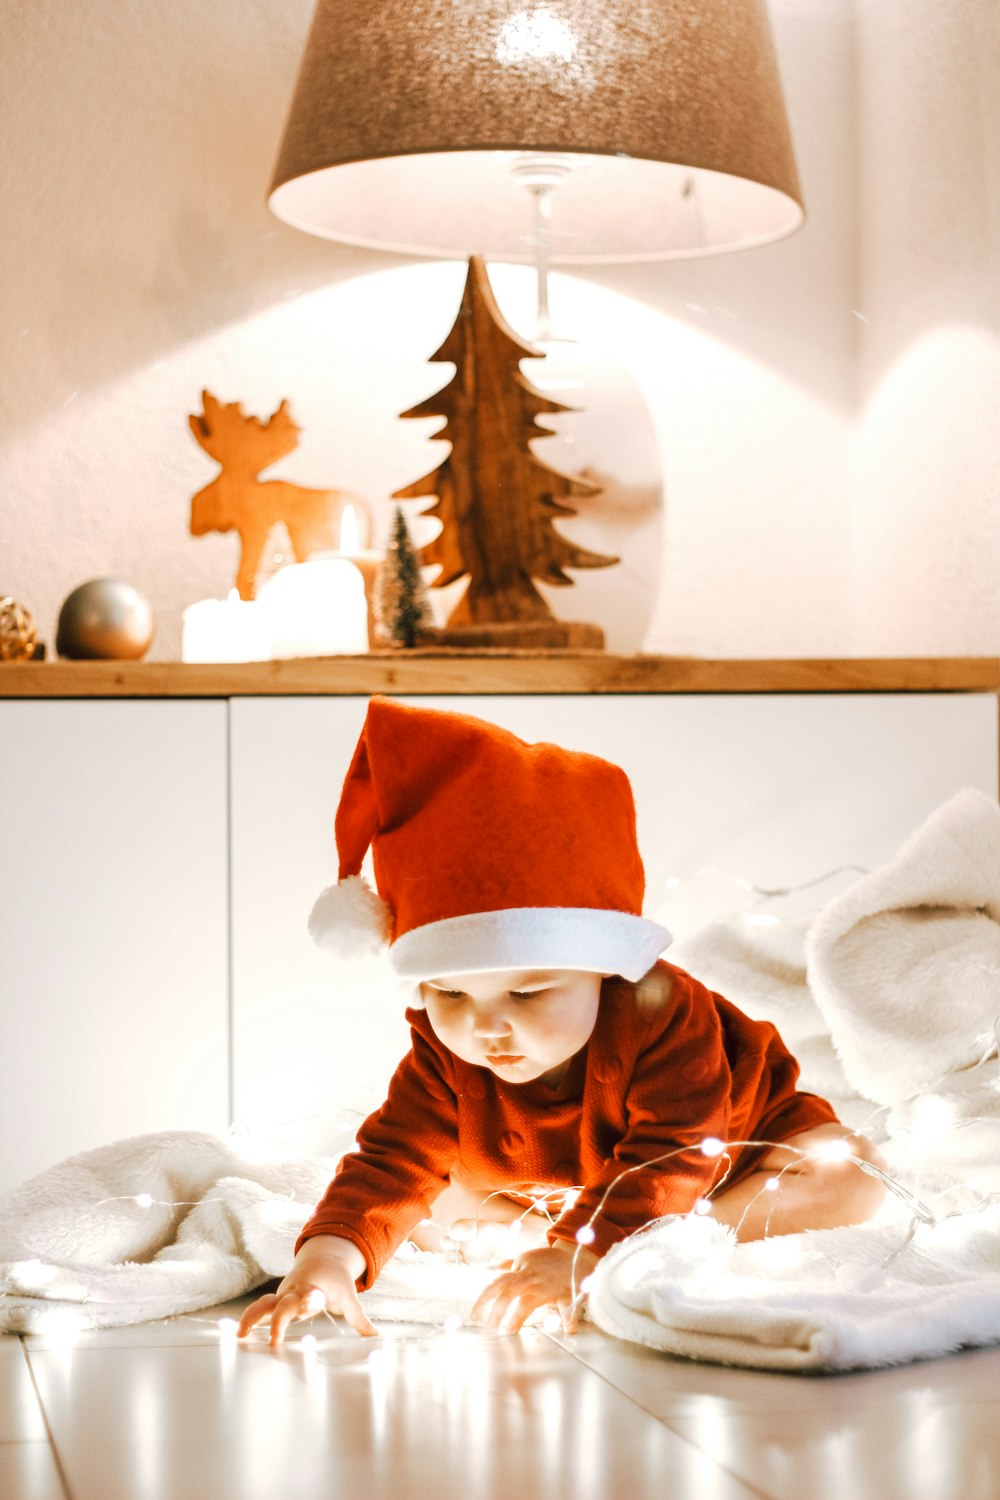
x,y
495,499
237,500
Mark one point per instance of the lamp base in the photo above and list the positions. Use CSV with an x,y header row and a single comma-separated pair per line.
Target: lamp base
x,y
530,635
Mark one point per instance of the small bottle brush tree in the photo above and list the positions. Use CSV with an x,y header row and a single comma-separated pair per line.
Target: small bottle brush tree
x,y
402,609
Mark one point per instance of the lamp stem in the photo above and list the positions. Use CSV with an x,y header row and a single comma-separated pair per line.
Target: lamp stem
x,y
542,240
541,174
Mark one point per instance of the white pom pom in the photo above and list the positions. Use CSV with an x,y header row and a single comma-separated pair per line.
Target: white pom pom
x,y
350,919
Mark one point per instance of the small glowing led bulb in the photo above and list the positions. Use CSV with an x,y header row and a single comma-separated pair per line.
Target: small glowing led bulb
x,y
712,1146
702,1206
453,1323
585,1235
227,1329
835,1150
316,1301
772,1184
552,1323
144,1200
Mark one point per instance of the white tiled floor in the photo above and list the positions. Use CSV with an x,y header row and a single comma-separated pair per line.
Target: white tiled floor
x,y
167,1411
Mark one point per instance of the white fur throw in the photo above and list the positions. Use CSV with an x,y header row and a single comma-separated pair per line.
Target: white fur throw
x,y
77,1247
898,1024
818,1301
75,1238
905,966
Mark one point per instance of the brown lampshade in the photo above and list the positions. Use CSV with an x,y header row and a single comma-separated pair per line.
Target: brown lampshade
x,y
662,120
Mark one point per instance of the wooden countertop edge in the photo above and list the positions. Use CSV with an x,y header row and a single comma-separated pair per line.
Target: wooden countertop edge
x,y
497,671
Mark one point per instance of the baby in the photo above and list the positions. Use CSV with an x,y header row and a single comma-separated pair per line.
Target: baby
x,y
554,1055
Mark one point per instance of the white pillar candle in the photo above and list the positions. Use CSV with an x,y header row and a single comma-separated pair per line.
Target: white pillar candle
x,y
350,535
317,608
232,629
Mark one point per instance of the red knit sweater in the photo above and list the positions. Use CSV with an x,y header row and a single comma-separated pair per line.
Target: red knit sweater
x,y
667,1064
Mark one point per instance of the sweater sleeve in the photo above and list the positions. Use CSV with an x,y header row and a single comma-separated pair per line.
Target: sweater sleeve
x,y
405,1152
678,1095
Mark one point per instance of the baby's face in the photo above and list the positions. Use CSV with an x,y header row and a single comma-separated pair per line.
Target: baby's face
x,y
522,1024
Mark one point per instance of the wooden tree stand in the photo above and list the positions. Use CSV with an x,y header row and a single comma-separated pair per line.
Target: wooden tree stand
x,y
529,635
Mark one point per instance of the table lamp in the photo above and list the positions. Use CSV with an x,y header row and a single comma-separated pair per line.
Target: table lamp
x,y
444,128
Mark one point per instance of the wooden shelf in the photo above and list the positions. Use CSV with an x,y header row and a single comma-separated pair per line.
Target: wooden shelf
x,y
472,672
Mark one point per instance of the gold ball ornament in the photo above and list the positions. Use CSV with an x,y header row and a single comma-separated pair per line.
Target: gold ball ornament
x,y
17,631
105,619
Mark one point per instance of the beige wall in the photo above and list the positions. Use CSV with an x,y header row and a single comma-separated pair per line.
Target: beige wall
x,y
927,477
140,264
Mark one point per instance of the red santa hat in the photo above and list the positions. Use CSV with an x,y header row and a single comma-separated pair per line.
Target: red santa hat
x,y
489,853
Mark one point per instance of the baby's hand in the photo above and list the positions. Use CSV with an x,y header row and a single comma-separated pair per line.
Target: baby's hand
x,y
322,1276
538,1278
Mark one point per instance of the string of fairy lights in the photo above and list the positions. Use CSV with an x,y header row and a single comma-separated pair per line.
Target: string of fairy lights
x,y
548,1206
469,1242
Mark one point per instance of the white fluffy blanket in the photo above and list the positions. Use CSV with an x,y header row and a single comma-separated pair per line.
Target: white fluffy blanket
x,y
891,999
164,1224
818,1301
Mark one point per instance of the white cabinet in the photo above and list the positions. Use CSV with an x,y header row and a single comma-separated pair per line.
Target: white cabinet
x,y
113,924
776,790
160,858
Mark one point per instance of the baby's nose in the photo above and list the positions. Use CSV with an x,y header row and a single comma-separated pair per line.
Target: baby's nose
x,y
492,1023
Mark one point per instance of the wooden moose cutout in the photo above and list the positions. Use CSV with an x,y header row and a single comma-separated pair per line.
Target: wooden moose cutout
x,y
237,500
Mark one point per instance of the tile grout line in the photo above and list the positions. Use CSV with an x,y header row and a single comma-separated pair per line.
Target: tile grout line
x,y
751,1488
53,1446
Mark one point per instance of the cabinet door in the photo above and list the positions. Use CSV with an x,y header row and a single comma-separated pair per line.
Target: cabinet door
x,y
733,790
113,924
314,1039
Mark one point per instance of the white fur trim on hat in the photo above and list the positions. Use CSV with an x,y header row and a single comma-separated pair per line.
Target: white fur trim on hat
x,y
531,937
350,919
